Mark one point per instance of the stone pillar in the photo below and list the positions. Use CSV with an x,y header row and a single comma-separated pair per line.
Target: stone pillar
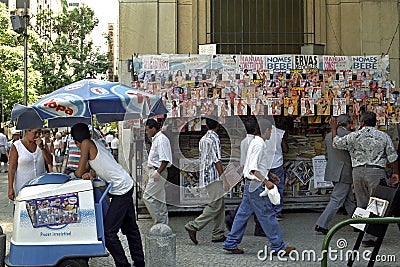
x,y
160,246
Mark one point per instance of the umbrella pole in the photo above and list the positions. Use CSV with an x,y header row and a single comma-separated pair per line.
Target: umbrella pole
x,y
91,122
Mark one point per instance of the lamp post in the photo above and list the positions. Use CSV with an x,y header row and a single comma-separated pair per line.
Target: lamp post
x,y
20,25
26,20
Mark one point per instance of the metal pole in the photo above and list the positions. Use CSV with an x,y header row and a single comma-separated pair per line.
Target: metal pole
x,y
26,20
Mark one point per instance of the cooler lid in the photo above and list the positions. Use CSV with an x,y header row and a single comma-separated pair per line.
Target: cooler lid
x,y
48,178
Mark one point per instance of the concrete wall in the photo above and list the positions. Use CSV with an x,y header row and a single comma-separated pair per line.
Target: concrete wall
x,y
358,27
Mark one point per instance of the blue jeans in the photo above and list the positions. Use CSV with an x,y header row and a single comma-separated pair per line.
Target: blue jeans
x,y
262,207
279,171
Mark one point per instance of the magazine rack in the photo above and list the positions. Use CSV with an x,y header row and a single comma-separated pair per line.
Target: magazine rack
x,y
391,194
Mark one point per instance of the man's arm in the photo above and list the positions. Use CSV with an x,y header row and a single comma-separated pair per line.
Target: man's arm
x,y
265,180
83,165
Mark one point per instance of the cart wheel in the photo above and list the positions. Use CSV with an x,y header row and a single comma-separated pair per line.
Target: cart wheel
x,y
74,263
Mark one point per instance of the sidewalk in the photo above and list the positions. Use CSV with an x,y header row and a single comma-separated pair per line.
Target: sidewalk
x,y
297,228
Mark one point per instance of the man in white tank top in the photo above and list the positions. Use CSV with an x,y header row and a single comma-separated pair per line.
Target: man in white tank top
x,y
121,213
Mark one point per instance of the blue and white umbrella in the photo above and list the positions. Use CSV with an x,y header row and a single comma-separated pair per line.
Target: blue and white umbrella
x,y
79,101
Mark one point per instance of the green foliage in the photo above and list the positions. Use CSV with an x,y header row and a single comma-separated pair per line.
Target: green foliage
x,y
12,66
59,53
63,53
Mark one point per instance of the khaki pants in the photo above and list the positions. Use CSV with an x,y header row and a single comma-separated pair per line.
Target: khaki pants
x,y
214,211
154,199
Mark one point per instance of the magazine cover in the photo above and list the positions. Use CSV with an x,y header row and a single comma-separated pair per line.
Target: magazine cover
x,y
329,77
256,106
207,107
179,78
323,107
307,107
363,75
240,107
339,106
173,108
224,108
263,75
381,115
291,107
274,106
194,125
189,108
315,93
281,93
346,75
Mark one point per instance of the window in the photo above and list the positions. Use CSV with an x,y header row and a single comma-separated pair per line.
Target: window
x,y
258,26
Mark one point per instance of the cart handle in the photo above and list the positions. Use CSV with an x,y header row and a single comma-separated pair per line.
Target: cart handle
x,y
105,192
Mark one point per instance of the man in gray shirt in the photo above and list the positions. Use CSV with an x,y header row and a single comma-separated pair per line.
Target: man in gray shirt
x,y
370,151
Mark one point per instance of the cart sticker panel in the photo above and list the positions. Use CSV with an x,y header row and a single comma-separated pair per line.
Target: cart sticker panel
x,y
54,210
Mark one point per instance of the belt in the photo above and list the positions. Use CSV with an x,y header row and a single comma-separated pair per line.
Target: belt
x,y
372,166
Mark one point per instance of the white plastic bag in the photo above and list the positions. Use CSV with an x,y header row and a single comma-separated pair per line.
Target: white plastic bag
x,y
272,194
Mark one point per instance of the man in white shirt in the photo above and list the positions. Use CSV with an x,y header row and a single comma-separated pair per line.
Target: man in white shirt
x,y
109,137
114,146
255,172
160,157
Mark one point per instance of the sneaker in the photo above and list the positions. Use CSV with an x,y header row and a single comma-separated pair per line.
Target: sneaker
x,y
234,251
321,230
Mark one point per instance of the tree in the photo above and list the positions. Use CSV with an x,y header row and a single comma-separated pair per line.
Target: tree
x,y
12,66
63,53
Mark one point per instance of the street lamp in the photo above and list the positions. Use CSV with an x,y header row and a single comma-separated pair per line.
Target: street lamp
x,y
20,25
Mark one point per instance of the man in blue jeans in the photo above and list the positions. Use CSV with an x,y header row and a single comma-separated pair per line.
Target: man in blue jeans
x,y
256,175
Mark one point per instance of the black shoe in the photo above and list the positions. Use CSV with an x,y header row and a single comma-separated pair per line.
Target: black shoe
x,y
321,230
368,243
220,240
234,251
192,235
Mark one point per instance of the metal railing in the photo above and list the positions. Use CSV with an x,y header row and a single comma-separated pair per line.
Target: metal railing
x,y
336,227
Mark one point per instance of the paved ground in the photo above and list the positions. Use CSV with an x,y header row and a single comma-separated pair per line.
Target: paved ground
x,y
297,228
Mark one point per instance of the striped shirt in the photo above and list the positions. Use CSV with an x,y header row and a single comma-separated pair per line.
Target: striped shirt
x,y
210,153
74,153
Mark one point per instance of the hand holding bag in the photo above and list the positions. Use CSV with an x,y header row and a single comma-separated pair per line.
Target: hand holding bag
x,y
272,194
